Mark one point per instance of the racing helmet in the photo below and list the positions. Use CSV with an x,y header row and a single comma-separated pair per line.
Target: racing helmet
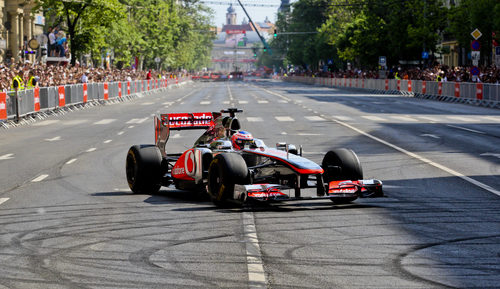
x,y
241,138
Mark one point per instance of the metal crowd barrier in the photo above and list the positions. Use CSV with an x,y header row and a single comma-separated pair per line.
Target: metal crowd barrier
x,y
484,93
49,98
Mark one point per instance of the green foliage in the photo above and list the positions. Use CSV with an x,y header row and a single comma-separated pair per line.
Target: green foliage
x,y
471,14
176,33
397,29
309,48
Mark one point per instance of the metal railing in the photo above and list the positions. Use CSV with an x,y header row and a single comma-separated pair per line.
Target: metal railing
x,y
485,93
54,97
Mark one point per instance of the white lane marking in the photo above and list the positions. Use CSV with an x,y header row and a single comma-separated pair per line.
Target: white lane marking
x,y
466,129
120,133
404,118
422,159
262,101
282,101
108,141
493,118
314,118
430,135
373,118
137,120
274,93
91,150
491,154
230,94
242,102
226,102
254,119
131,126
256,274
74,122
343,118
147,103
431,119
53,139
284,133
464,119
105,121
176,135
205,102
70,161
284,118
46,122
6,157
168,103
3,200
308,134
39,178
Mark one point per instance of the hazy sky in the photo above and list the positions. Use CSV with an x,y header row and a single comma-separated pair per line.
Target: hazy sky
x,y
258,14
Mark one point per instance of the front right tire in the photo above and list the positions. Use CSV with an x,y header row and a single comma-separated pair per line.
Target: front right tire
x,y
339,165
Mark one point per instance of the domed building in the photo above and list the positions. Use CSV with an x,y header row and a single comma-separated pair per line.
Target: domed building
x,y
233,47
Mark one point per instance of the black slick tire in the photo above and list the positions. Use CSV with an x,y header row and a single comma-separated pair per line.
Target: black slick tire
x,y
143,169
224,172
348,168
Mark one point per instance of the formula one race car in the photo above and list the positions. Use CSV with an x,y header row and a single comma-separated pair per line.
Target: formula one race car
x,y
233,167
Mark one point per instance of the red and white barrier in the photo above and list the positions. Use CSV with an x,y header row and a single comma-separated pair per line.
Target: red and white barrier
x,y
36,96
3,105
85,93
479,91
106,91
62,95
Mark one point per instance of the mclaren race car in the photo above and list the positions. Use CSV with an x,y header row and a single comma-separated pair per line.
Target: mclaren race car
x,y
234,167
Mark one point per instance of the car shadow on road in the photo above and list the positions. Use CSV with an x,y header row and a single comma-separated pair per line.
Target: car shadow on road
x,y
174,196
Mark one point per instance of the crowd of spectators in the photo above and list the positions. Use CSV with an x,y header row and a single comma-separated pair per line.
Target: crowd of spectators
x,y
489,74
53,75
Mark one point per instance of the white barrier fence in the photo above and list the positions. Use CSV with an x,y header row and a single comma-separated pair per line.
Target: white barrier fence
x,y
46,98
484,93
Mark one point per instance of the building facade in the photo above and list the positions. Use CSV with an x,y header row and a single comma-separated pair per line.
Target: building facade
x,y
18,25
233,49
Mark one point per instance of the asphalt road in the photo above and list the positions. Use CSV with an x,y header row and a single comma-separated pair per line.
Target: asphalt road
x,y
68,219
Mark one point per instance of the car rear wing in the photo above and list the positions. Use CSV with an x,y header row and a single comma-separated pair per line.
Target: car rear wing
x,y
180,121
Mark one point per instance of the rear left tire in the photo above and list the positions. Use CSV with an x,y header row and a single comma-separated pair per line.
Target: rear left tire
x,y
143,169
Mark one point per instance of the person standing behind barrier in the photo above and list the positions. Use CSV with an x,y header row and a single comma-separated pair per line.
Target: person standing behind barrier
x,y
61,39
148,76
32,81
52,41
84,78
17,82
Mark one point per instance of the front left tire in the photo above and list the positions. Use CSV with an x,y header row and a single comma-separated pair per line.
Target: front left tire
x,y
224,172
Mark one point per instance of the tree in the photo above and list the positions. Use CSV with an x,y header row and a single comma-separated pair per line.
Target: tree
x,y
394,28
84,19
471,14
305,49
